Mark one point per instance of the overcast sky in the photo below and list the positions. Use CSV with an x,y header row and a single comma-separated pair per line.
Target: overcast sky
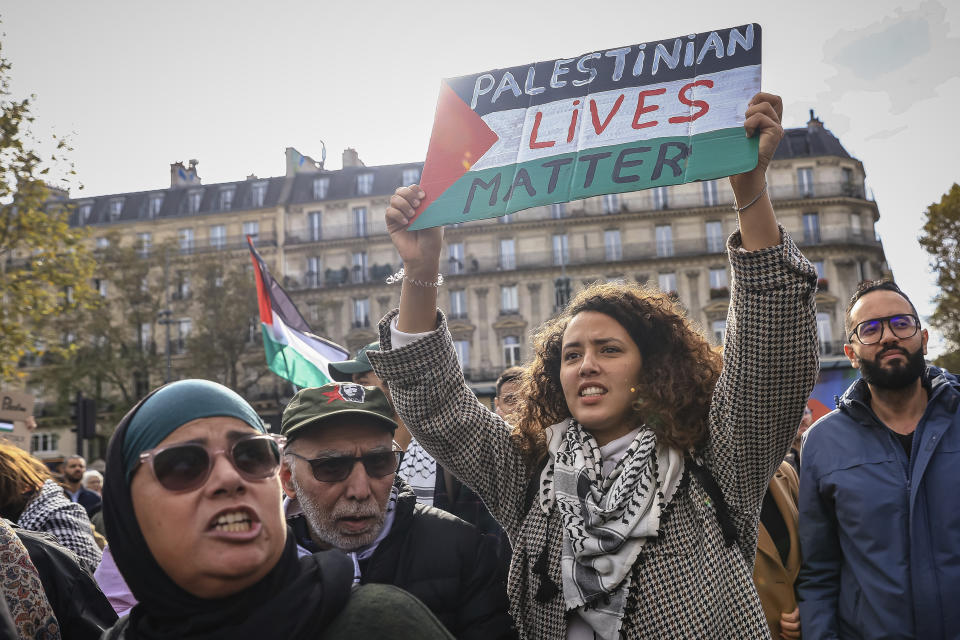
x,y
139,85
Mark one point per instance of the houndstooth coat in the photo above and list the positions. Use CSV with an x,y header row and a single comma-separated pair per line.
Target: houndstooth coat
x,y
687,584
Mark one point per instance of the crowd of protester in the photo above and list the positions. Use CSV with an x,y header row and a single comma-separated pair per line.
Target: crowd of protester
x,y
631,481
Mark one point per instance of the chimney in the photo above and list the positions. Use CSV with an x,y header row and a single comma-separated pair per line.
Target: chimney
x,y
181,176
814,122
351,158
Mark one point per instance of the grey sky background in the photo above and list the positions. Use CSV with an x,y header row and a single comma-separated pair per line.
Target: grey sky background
x,y
139,85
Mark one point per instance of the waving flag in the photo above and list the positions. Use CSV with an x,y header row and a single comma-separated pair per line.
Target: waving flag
x,y
293,352
647,115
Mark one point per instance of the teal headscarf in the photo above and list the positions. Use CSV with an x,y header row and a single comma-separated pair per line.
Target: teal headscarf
x,y
175,405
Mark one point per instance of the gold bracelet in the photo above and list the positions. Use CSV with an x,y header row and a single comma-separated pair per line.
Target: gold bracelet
x,y
752,202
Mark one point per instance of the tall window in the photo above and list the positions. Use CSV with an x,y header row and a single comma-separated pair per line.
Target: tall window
x,y
100,284
359,263
186,240
226,198
314,226
83,213
612,249
821,271
719,328
661,197
364,184
458,303
558,210
320,188
561,251
115,209
709,190
719,284
508,256
218,236
805,181
714,236
361,312
455,261
193,200
561,293
313,271
184,325
154,204
667,282
144,336
462,347
410,176
360,221
251,228
144,240
811,228
44,442
258,193
511,351
182,286
509,303
611,203
664,240
824,333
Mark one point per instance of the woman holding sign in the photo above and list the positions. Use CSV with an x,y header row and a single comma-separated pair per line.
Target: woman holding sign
x,y
632,482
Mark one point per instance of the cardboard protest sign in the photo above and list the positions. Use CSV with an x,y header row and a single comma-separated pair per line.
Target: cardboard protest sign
x,y
625,119
15,405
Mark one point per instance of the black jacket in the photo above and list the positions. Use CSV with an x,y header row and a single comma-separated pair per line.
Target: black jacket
x,y
445,562
80,607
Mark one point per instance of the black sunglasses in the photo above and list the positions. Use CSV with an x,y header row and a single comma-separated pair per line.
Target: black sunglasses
x,y
338,468
903,326
186,466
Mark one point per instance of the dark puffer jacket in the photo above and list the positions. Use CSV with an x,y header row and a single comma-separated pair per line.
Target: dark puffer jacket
x,y
445,562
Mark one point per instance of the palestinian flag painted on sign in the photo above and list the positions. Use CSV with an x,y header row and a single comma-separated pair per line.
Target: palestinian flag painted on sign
x,y
293,352
624,119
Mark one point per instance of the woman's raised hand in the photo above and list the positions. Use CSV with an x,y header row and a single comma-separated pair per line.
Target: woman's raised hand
x,y
419,250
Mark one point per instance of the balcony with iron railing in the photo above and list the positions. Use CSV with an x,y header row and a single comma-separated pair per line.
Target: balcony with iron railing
x,y
632,203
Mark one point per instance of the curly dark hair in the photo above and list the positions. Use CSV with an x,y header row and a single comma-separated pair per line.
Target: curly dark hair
x,y
680,368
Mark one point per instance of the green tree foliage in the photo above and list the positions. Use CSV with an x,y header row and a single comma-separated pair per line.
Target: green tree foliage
x,y
224,342
45,266
115,358
941,239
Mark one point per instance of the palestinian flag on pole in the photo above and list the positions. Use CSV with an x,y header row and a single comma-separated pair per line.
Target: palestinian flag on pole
x,y
293,352
624,119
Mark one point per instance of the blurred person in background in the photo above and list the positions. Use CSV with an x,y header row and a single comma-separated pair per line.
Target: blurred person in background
x,y
30,497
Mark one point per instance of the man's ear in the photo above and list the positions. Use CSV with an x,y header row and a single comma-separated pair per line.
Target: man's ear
x,y
924,336
851,356
286,479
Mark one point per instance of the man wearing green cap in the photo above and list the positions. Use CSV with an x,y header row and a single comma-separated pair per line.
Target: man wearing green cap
x,y
432,484
340,476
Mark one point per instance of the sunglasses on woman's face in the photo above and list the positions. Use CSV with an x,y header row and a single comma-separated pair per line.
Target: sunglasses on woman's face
x,y
186,466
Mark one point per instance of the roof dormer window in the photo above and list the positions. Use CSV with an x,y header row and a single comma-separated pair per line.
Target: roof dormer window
x,y
364,184
320,188
154,204
258,193
193,200
115,208
83,213
226,198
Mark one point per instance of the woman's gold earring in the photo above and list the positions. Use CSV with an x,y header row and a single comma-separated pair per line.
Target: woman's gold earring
x,y
633,389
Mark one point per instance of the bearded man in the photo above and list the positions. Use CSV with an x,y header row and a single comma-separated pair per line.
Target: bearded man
x,y
879,491
340,476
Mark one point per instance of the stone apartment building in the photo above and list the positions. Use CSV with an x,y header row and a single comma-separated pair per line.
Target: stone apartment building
x,y
322,233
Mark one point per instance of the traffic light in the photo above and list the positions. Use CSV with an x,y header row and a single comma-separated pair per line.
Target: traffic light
x,y
86,417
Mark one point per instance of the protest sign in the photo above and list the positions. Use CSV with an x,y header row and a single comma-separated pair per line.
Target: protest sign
x,y
625,119
15,405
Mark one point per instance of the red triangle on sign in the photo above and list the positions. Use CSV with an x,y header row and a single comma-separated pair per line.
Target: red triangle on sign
x,y
460,137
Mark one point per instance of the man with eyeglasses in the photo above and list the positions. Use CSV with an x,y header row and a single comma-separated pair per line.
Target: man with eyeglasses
x,y
879,487
340,476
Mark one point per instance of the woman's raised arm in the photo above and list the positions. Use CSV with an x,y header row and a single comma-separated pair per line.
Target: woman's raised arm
x,y
420,252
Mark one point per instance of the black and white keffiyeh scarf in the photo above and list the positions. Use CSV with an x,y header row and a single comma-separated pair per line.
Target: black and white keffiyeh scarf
x,y
607,520
419,470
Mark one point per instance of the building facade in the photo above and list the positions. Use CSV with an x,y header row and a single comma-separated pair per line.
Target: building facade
x,y
323,235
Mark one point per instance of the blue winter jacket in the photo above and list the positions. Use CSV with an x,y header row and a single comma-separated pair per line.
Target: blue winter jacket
x,y
880,532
